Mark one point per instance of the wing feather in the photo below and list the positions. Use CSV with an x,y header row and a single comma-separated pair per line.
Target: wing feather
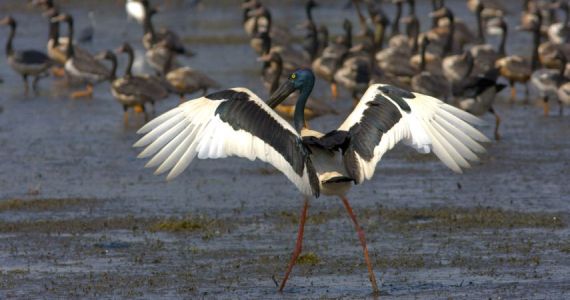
x,y
387,115
228,123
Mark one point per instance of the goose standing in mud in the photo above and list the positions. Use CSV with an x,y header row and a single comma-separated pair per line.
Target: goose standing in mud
x,y
236,122
26,62
83,67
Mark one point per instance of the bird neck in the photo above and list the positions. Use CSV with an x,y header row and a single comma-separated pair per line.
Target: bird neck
x,y
9,45
480,33
449,43
413,31
148,27
396,23
562,68
309,12
70,47
412,4
113,73
348,37
299,115
502,51
536,42
130,62
54,33
566,16
423,57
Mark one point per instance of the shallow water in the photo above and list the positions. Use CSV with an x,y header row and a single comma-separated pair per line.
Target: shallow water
x,y
103,226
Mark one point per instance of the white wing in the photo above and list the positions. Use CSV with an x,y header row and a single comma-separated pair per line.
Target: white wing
x,y
233,122
387,115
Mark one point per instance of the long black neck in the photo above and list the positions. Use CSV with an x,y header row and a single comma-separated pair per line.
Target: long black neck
x,y
423,57
278,72
168,63
396,24
309,12
299,114
412,4
566,16
449,43
54,33
131,56
113,73
148,28
502,51
480,33
348,36
9,45
434,6
70,47
413,32
536,42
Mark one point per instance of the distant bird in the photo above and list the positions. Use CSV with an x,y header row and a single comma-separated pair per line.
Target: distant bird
x,y
548,81
427,82
236,122
186,80
332,57
86,34
28,63
516,68
476,95
559,33
83,67
136,9
272,76
137,90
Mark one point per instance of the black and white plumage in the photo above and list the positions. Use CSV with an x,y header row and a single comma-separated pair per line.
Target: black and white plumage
x,y
236,122
233,122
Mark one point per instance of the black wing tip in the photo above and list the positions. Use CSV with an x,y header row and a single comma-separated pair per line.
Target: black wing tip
x,y
397,94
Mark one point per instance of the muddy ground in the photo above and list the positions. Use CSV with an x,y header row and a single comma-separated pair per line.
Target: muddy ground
x,y
81,217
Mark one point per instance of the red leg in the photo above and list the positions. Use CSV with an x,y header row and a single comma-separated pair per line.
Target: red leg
x,y
298,244
362,239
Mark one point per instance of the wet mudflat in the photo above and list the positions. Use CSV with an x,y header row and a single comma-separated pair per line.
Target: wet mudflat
x,y
81,217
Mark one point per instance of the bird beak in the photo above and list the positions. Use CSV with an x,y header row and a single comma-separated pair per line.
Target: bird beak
x,y
281,94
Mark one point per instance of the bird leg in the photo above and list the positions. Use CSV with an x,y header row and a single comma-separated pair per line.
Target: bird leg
x,y
298,244
513,91
88,92
545,105
58,71
126,115
181,98
26,88
362,239
560,108
526,99
497,123
334,90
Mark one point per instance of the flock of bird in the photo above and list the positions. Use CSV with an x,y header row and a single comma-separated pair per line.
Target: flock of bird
x,y
65,58
452,72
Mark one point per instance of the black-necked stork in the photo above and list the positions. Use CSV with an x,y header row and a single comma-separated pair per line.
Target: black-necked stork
x,y
236,122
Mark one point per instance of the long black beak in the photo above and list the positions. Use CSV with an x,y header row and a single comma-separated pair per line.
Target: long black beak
x,y
281,94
